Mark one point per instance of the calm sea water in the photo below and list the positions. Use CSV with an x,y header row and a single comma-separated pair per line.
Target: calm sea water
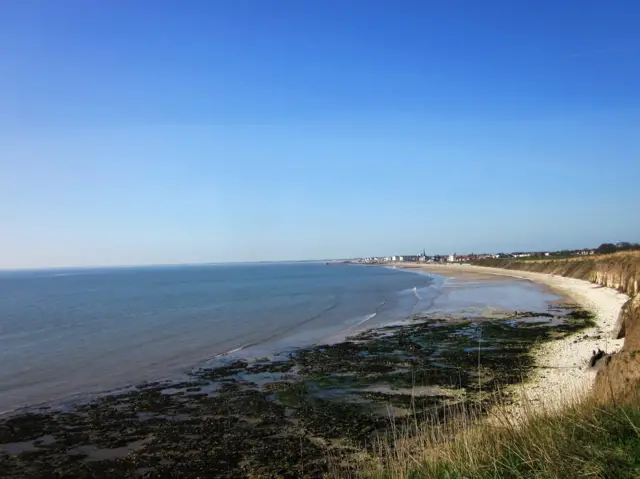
x,y
71,332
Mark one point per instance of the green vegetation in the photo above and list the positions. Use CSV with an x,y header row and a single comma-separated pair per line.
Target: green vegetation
x,y
608,248
587,439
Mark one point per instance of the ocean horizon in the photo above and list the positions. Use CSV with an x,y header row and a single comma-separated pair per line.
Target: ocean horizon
x,y
167,265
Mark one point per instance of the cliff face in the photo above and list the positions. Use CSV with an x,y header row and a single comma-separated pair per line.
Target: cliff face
x,y
619,378
620,270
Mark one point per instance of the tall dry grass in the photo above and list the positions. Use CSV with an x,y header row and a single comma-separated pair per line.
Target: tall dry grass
x,y
585,438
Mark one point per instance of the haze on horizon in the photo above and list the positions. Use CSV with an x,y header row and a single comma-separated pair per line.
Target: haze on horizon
x,y
286,130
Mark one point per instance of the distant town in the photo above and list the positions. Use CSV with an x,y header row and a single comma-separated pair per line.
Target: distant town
x,y
605,248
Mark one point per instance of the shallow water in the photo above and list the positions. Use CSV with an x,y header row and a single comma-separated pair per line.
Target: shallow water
x,y
74,331
481,297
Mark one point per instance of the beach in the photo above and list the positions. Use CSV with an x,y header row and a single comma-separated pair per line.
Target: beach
x,y
388,347
562,371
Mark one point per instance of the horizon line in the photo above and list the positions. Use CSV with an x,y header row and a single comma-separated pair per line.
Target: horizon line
x,y
161,265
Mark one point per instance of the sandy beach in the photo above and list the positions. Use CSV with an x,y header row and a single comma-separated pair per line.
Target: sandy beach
x,y
290,412
563,371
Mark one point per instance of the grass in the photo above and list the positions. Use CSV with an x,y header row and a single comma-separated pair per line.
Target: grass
x,y
584,439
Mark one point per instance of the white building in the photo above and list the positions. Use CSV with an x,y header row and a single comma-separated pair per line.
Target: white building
x,y
451,258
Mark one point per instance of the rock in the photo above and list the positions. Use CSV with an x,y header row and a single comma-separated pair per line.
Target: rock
x,y
595,357
619,378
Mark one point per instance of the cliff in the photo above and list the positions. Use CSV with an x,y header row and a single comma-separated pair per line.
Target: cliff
x,y
619,377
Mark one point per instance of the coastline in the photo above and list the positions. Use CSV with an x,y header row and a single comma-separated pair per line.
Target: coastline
x,y
108,329
562,371
288,415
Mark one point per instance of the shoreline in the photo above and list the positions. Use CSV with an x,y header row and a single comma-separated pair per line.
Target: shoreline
x,y
292,413
546,354
92,335
562,373
249,353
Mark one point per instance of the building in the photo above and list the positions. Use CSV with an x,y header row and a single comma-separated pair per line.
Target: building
x,y
451,258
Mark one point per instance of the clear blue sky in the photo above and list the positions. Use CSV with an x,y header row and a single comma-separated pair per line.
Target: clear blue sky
x,y
233,130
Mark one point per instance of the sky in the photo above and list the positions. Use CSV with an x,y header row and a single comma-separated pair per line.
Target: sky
x,y
210,131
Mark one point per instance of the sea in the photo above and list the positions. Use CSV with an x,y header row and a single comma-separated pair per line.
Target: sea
x,y
72,332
